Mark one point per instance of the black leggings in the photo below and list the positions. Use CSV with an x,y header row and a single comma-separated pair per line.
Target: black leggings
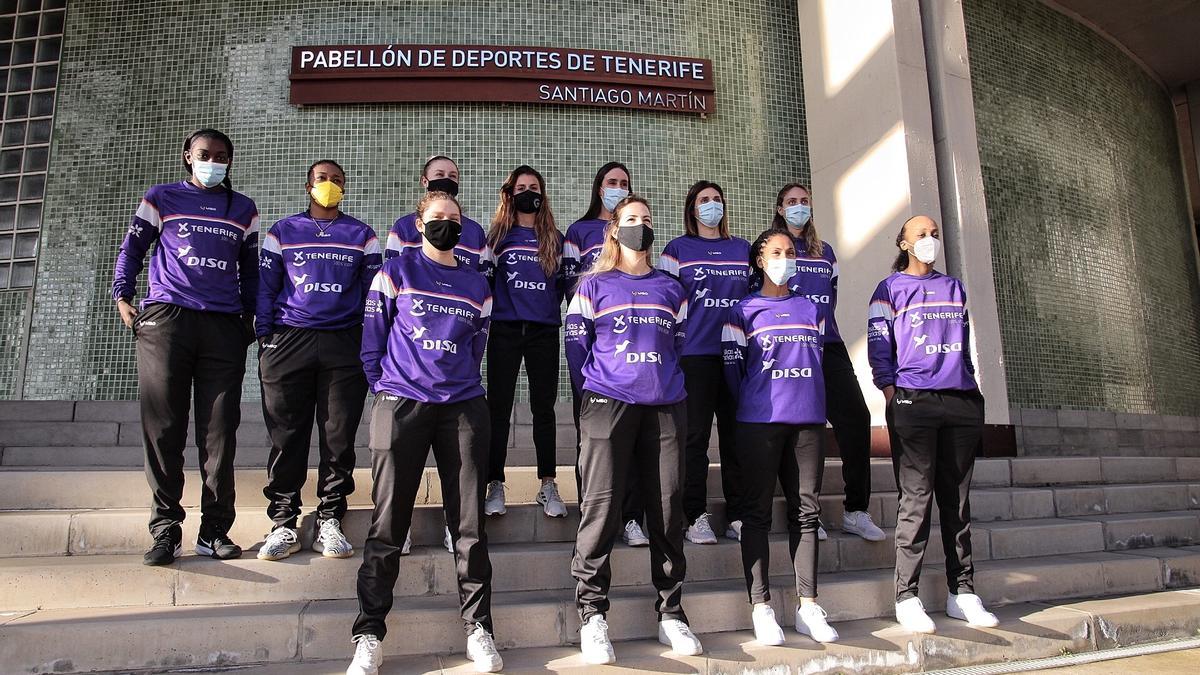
x,y
510,342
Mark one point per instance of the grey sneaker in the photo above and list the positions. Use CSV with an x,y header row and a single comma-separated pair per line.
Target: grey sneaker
x,y
552,503
701,532
493,503
280,543
633,534
330,541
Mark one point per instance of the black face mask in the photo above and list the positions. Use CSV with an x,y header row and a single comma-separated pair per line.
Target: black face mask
x,y
447,185
527,201
443,234
636,237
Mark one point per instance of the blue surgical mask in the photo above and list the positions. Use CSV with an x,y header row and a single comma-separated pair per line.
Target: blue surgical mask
x,y
710,213
797,215
210,174
613,196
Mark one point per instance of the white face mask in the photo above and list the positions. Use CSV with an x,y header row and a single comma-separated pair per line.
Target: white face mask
x,y
927,250
613,196
779,270
210,174
710,213
797,215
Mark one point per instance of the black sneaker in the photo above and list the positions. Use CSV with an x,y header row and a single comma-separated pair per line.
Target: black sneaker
x,y
167,547
217,545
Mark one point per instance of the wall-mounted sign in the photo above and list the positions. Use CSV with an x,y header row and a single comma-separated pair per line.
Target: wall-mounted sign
x,y
447,73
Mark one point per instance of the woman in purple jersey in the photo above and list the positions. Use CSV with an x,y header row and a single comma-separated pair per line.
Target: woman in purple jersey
x,y
772,347
192,332
918,340
584,241
524,255
425,327
714,270
314,272
817,278
625,327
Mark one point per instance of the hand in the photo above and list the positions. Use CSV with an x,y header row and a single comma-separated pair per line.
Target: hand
x,y
128,312
888,392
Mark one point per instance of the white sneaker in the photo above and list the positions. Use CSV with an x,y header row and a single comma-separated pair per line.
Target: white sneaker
x,y
912,617
734,531
407,548
822,535
634,536
860,523
968,607
594,643
330,541
766,628
280,543
493,503
810,621
368,656
701,532
676,635
481,649
552,503
448,541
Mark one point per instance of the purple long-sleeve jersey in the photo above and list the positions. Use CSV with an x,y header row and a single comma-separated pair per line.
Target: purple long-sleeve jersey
x,y
522,289
772,350
425,329
207,253
315,273
817,280
919,334
404,237
582,246
624,334
715,274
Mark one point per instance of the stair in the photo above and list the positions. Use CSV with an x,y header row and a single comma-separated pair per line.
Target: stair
x,y
1046,531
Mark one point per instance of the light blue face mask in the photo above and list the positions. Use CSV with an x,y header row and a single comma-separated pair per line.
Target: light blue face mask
x,y
210,174
613,196
710,213
797,215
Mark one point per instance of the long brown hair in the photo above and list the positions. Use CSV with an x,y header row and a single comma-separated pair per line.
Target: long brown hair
x,y
813,246
548,237
596,205
610,254
690,222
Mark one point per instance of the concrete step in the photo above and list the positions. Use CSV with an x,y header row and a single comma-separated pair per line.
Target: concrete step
x,y
209,635
106,580
1027,630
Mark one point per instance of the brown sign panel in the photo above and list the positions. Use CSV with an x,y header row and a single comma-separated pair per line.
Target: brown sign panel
x,y
456,73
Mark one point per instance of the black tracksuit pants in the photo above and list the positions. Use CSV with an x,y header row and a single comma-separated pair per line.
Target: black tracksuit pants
x,y
309,374
632,506
707,394
510,342
793,455
935,435
402,431
179,351
618,436
851,421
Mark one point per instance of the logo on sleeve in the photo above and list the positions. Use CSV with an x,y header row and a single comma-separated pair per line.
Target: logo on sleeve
x,y
264,262
135,230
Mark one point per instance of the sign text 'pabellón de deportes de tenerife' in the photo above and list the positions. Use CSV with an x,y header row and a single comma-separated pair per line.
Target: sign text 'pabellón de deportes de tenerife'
x,y
459,74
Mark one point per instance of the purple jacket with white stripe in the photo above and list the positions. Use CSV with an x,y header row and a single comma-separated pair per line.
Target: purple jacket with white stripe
x,y
715,274
404,237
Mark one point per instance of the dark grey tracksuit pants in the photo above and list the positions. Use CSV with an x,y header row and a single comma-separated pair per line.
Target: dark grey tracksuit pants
x,y
935,435
851,421
307,373
632,507
793,455
707,394
402,431
179,351
618,437
510,342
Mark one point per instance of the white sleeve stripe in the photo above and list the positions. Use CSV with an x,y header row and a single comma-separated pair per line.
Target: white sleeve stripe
x,y
149,214
394,243
879,310
372,247
682,314
582,306
668,265
383,285
730,333
835,270
253,229
487,308
271,245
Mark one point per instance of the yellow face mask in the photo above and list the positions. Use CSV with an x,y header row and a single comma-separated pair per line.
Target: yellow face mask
x,y
327,194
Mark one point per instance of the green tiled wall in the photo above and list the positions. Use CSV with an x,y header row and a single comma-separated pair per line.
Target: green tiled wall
x,y
1095,269
13,307
137,76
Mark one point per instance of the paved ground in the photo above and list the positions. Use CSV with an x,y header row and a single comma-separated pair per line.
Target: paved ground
x,y
1169,663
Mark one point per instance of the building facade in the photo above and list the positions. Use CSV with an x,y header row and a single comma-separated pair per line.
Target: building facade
x,y
1051,154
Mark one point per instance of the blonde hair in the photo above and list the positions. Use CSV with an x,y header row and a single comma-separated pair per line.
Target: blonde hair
x,y
813,246
610,254
434,196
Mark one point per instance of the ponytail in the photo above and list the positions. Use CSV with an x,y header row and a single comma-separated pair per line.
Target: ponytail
x,y
901,262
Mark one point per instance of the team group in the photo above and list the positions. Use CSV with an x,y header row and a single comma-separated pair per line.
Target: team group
x,y
720,327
